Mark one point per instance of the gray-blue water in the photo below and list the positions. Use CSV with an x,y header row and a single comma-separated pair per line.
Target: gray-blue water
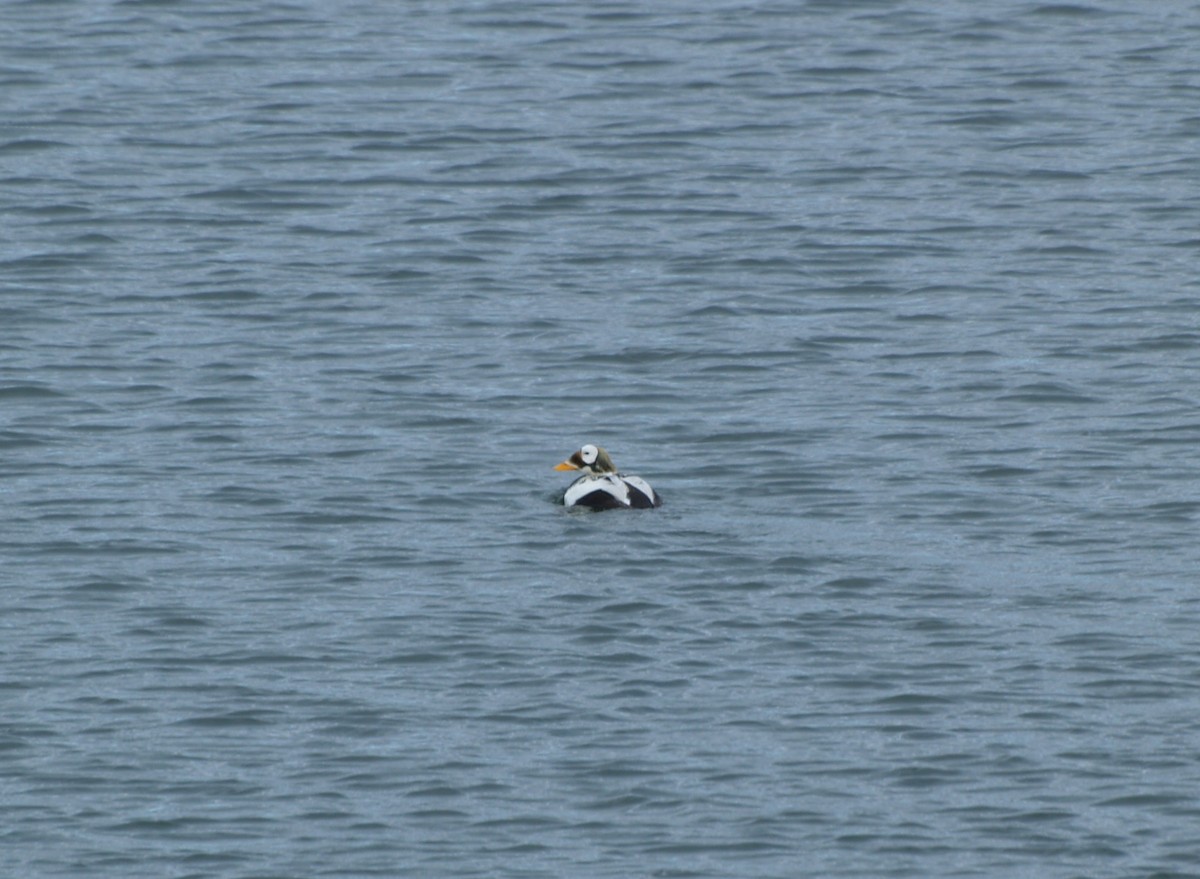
x,y
896,303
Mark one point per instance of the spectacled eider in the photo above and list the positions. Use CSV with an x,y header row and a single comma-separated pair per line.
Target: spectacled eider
x,y
601,487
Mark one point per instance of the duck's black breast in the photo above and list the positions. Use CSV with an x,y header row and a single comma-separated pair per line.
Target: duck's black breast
x,y
599,500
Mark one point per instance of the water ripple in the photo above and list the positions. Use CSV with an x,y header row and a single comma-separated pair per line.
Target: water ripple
x,y
894,306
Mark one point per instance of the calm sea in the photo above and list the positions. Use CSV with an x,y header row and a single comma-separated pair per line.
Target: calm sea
x,y
896,303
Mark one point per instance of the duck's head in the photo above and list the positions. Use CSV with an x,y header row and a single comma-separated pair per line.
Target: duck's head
x,y
590,459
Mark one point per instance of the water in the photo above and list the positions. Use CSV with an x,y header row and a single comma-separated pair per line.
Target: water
x,y
894,303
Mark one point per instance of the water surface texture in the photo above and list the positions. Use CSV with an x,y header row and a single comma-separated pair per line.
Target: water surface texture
x,y
895,303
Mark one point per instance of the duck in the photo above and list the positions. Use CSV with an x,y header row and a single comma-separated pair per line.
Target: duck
x,y
601,487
